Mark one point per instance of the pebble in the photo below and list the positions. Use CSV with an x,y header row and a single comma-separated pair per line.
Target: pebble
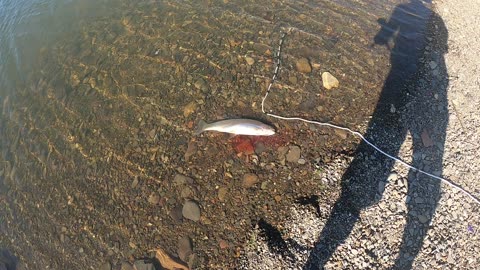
x,y
426,140
249,180
105,266
393,177
154,198
185,248
301,161
293,154
134,182
303,65
222,193
250,61
176,214
381,187
200,84
433,64
191,211
329,81
259,148
142,265
180,179
126,266
189,109
191,149
422,218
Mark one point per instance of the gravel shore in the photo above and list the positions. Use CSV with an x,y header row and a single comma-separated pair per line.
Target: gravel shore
x,y
444,126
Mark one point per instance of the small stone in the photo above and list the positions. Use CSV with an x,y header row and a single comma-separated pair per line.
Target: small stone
x,y
191,211
223,244
293,79
329,81
303,65
176,214
259,148
293,154
185,248
189,109
250,61
433,64
154,198
422,218
381,187
341,133
106,266
222,193
249,180
126,266
392,177
134,182
301,161
200,84
191,149
143,265
426,140
180,180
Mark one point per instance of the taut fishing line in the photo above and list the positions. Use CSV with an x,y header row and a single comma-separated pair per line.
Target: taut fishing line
x,y
277,57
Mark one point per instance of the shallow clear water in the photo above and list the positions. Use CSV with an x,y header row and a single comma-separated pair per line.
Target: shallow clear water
x,y
97,93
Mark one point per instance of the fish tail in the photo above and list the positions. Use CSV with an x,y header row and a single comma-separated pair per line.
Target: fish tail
x,y
200,127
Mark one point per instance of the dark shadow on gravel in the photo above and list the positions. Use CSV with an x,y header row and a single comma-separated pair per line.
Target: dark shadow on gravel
x,y
7,260
413,100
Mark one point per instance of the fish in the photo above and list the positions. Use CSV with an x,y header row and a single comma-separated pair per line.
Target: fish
x,y
237,127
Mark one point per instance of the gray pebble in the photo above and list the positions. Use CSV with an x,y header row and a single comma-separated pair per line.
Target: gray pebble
x,y
293,154
191,211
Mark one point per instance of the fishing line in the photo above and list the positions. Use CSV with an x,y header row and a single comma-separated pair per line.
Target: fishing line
x,y
278,62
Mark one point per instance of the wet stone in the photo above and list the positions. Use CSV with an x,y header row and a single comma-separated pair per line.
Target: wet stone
x,y
422,218
293,154
249,180
180,179
154,198
250,61
222,193
191,211
143,265
176,214
105,266
126,266
303,65
329,81
185,248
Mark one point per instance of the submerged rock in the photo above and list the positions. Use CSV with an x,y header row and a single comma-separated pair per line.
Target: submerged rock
x,y
293,154
303,65
249,180
329,81
191,211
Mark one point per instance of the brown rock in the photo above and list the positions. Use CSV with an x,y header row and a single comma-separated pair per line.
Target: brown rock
x,y
303,65
249,180
222,193
189,109
154,198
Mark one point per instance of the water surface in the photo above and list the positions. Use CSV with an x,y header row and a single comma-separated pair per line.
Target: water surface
x,y
100,99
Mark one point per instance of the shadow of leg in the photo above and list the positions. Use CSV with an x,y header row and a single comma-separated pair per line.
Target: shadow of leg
x,y
343,217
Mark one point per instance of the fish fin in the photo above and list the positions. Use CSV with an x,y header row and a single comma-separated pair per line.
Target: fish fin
x,y
200,127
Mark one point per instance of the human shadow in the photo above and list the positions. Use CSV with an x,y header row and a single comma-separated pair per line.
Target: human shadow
x,y
413,100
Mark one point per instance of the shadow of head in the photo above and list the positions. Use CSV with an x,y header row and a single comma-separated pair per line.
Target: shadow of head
x,y
7,260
